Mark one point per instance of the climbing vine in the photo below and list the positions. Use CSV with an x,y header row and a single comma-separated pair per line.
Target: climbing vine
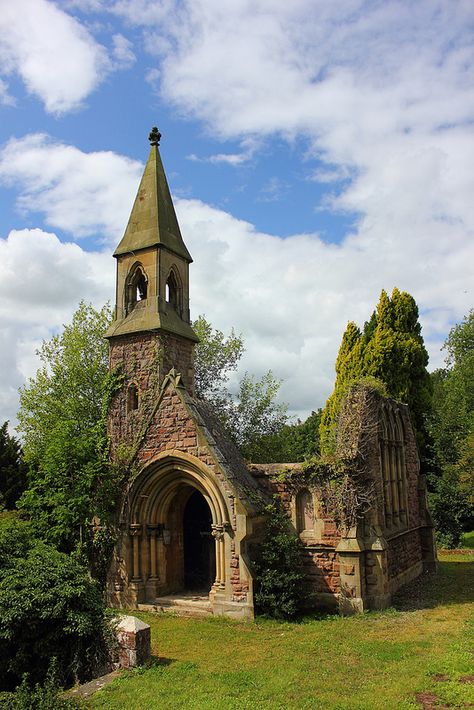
x,y
340,480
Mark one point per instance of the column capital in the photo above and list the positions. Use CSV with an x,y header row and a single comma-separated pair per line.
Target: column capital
x,y
136,529
154,529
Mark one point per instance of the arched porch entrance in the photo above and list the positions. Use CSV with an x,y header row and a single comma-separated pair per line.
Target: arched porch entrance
x,y
199,550
177,531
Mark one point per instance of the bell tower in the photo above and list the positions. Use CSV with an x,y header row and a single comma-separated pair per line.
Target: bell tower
x,y
151,332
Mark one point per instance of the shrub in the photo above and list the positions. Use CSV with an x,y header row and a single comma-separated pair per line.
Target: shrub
x,y
40,697
450,510
278,571
49,607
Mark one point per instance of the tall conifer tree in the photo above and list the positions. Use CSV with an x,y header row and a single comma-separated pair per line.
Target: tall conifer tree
x,y
390,349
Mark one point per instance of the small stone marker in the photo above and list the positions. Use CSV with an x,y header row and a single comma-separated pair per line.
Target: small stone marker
x,y
134,639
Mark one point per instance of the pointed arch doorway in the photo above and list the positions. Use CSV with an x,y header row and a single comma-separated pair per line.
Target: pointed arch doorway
x,y
177,531
199,550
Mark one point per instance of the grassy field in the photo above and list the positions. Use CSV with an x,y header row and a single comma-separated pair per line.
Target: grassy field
x,y
418,654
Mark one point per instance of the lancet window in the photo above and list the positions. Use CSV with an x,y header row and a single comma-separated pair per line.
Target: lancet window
x,y
136,287
172,291
132,398
304,511
393,465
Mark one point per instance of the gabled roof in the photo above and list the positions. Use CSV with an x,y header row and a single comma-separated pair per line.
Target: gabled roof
x,y
153,220
224,452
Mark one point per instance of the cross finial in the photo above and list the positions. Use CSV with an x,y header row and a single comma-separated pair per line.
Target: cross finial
x,y
154,136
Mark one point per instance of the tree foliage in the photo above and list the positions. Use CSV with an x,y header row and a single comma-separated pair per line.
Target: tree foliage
x,y
215,357
452,431
294,442
49,607
278,569
12,469
252,415
63,420
390,349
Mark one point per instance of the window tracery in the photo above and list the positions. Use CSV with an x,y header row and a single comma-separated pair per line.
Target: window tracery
x,y
393,466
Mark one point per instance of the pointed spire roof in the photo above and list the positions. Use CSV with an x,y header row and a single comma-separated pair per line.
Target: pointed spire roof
x,y
153,221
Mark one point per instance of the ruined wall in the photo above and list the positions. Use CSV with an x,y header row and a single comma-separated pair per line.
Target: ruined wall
x,y
320,559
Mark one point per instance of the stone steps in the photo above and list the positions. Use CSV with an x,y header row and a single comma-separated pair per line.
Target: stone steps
x,y
183,605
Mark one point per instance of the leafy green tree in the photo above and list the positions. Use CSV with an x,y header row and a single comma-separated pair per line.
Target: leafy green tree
x,y
390,349
294,442
49,607
63,420
12,469
252,415
452,431
216,356
279,583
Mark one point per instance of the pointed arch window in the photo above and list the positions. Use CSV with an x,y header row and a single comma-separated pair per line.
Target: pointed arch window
x,y
172,291
136,287
132,398
304,511
393,467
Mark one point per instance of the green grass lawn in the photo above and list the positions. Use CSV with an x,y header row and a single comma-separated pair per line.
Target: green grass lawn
x,y
423,645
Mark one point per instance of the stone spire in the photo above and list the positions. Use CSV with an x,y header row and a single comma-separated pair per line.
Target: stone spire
x,y
153,219
152,261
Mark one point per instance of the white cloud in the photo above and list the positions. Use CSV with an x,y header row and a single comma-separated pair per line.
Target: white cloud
x,y
41,282
5,98
232,159
382,93
81,193
56,57
290,297
123,53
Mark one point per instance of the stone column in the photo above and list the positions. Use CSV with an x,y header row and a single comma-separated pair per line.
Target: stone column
x,y
153,534
136,531
218,535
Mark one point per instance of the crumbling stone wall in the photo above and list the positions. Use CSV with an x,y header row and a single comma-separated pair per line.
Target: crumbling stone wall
x,y
362,564
320,560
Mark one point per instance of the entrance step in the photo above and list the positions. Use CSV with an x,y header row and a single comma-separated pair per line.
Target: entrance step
x,y
193,605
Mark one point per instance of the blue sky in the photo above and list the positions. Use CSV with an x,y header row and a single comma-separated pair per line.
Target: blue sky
x,y
317,152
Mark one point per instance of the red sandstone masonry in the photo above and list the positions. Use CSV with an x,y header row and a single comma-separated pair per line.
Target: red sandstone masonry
x,y
320,559
171,428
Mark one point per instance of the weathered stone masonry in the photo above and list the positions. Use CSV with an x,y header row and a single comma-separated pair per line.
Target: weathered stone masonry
x,y
189,516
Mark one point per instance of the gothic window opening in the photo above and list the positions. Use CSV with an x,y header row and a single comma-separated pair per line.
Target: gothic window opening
x,y
393,466
304,511
137,288
132,398
172,291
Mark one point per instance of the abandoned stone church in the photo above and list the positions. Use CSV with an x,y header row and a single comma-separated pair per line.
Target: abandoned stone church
x,y
189,520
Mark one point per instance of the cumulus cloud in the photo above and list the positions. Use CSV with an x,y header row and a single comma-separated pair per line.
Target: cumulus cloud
x,y
56,56
382,95
80,193
291,298
42,281
123,53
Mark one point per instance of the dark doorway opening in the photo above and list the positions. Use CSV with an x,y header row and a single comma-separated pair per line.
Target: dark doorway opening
x,y
199,546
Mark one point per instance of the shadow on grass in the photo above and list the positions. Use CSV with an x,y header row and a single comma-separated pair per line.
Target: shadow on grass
x,y
453,583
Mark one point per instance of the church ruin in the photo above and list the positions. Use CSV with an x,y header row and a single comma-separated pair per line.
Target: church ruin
x,y
189,521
